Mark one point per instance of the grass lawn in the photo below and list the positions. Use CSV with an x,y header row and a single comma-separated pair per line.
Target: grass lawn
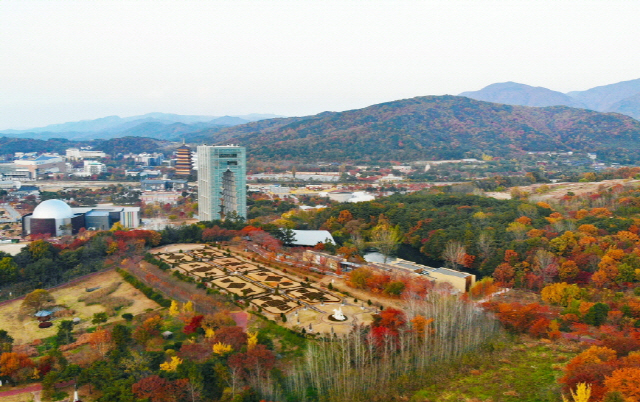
x,y
27,330
525,370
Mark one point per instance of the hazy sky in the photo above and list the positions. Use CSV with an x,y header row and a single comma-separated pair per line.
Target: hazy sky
x,y
70,60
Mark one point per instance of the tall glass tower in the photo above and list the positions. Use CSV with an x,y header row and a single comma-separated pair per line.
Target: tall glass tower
x,y
222,172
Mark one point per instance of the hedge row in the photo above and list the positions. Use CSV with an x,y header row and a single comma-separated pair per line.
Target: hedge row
x,y
149,292
152,260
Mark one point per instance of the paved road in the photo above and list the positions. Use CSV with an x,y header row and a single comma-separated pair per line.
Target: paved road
x,y
13,215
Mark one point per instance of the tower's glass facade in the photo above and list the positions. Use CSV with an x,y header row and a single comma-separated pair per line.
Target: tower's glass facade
x,y
222,189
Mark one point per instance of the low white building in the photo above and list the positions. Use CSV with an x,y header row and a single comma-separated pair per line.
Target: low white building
x,y
76,154
90,168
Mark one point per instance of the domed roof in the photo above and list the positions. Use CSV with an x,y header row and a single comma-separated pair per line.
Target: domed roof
x,y
52,209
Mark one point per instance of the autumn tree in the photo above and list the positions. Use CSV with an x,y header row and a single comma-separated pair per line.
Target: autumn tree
x,y
234,336
101,341
149,329
385,238
560,293
158,389
358,277
36,301
17,366
626,381
256,362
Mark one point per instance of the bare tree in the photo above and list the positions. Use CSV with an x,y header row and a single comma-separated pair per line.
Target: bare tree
x,y
359,243
454,253
545,262
485,245
363,366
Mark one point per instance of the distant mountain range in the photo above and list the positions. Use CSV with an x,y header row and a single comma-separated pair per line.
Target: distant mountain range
x,y
622,97
163,126
436,127
421,128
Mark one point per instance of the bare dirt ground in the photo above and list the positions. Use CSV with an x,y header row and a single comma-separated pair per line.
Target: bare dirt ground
x,y
321,323
13,248
25,331
174,248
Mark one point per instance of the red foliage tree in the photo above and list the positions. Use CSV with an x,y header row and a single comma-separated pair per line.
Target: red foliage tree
x,y
158,389
520,317
256,362
390,318
193,325
234,336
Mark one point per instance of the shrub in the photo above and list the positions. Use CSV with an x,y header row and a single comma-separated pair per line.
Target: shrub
x,y
99,318
128,316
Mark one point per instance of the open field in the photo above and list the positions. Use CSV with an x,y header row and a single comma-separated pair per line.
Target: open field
x,y
27,330
523,371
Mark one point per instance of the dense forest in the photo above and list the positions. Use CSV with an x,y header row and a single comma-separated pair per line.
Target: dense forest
x,y
437,127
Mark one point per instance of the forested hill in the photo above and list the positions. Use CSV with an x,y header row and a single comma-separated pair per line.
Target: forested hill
x,y
437,127
112,146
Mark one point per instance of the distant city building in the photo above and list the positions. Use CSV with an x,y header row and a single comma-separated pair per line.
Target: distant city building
x,y
42,164
76,154
135,172
11,171
162,191
146,159
57,218
183,161
221,181
91,168
163,185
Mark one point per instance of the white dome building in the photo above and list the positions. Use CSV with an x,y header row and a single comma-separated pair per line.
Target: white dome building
x,y
52,217
52,209
57,218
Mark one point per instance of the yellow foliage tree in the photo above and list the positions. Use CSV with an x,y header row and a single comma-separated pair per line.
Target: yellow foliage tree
x,y
174,310
560,293
568,270
112,247
171,365
117,226
554,330
252,340
221,348
581,394
209,332
587,228
188,307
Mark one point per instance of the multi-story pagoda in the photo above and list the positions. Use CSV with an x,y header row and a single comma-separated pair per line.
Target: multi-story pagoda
x,y
183,161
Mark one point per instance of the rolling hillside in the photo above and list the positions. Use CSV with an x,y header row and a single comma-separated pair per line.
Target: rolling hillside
x,y
436,127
